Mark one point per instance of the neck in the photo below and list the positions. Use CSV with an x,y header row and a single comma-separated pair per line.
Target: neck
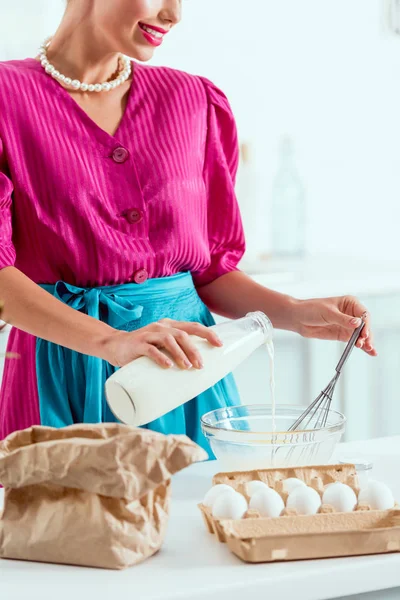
x,y
78,52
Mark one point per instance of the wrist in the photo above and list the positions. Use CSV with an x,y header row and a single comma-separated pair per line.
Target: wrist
x,y
291,314
103,343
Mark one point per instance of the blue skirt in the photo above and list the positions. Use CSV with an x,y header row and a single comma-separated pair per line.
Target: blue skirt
x,y
71,385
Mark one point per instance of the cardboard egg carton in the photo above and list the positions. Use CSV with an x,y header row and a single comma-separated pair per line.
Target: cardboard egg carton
x,y
293,537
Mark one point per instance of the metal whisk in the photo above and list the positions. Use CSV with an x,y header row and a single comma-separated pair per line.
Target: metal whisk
x,y
316,415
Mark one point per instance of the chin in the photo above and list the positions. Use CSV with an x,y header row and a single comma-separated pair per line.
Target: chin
x,y
137,51
142,55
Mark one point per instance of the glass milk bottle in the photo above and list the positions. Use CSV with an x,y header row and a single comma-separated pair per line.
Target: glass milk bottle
x,y
142,391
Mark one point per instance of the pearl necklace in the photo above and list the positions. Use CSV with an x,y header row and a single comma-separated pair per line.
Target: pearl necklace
x,y
75,84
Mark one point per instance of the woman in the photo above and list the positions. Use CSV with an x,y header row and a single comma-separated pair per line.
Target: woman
x,y
119,227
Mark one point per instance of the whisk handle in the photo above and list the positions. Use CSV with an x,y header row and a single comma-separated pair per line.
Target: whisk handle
x,y
350,345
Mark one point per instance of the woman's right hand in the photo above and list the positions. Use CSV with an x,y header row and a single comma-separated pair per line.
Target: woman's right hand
x,y
173,336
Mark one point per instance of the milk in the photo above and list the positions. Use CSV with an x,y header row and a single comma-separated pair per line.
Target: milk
x,y
271,354
142,391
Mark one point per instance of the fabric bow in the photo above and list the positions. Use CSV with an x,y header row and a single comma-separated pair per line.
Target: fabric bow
x,y
70,384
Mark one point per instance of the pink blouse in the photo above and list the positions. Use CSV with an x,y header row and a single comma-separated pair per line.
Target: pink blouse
x,y
89,208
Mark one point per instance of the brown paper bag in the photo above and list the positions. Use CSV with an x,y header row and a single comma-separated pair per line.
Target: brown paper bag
x,y
93,495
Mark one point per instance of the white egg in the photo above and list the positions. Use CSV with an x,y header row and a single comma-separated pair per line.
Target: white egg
x,y
328,485
305,500
291,484
340,496
229,506
267,502
214,492
255,486
377,495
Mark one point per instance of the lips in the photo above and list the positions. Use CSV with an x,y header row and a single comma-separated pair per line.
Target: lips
x,y
152,34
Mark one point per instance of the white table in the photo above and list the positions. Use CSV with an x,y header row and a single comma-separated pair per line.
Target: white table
x,y
193,565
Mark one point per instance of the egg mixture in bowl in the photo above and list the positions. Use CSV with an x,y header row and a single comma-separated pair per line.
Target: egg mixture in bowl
x,y
252,437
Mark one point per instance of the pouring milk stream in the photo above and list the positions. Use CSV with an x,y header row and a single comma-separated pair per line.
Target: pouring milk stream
x,y
141,391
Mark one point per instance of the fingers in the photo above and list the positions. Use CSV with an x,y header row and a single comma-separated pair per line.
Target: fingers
x,y
365,336
366,339
337,317
180,347
371,352
194,329
159,357
166,341
175,338
185,342
352,321
367,344
338,334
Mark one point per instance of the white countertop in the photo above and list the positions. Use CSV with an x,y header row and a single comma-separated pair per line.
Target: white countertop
x,y
193,565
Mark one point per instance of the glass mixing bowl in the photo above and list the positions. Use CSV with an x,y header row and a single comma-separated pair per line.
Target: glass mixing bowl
x,y
242,437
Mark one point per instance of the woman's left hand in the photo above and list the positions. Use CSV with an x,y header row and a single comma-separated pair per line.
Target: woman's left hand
x,y
334,319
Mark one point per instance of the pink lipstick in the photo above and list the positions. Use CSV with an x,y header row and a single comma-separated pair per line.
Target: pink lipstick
x,y
152,34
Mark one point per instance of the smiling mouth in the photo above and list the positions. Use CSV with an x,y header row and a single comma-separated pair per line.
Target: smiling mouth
x,y
158,34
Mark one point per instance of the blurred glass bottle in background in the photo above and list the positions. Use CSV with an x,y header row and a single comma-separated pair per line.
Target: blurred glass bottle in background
x,y
288,206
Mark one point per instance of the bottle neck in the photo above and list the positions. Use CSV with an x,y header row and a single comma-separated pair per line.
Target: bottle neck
x,y
263,323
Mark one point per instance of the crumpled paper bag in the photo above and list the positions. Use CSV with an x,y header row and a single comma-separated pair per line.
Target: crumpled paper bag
x,y
92,495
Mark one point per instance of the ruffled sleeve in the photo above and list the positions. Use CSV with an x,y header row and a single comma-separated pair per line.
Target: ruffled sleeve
x,y
7,250
224,224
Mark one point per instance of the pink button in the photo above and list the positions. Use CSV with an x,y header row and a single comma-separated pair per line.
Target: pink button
x,y
140,276
120,155
133,215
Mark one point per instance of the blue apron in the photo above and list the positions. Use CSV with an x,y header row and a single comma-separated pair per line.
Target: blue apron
x,y
71,384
